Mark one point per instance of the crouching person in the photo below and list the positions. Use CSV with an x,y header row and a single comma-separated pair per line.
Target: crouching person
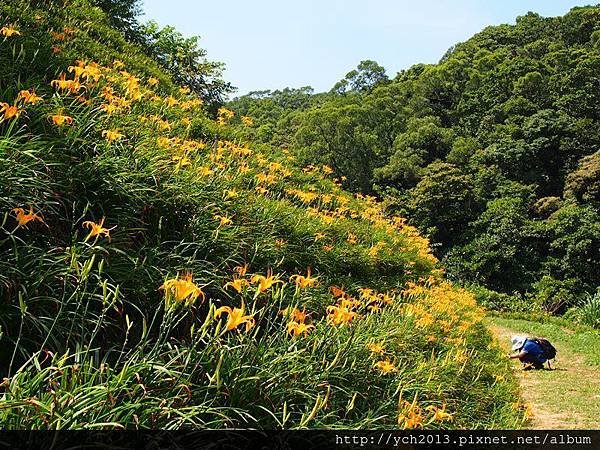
x,y
530,352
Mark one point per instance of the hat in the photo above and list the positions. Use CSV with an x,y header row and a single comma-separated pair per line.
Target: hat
x,y
517,342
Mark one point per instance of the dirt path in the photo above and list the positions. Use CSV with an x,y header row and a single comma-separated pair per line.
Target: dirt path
x,y
565,398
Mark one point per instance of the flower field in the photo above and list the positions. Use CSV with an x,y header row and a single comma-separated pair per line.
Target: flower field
x,y
158,271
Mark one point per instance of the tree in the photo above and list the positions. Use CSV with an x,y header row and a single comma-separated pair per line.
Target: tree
x,y
186,61
123,15
364,78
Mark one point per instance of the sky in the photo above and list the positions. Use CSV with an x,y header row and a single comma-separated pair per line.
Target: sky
x,y
272,44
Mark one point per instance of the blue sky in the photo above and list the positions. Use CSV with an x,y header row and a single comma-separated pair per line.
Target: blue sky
x,y
270,44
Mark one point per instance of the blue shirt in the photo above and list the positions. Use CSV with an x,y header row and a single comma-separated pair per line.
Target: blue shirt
x,y
534,349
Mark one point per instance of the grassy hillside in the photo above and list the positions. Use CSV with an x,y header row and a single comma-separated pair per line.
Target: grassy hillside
x,y
157,271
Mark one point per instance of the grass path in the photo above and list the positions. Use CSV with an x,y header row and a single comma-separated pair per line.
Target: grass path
x,y
569,396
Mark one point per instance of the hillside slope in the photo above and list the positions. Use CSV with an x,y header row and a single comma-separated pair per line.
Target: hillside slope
x,y
156,271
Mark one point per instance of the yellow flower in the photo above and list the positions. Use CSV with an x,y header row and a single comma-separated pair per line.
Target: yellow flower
x,y
439,414
375,348
79,70
247,121
352,239
320,236
29,97
9,31
304,281
223,220
385,367
10,111
295,314
59,120
153,81
182,289
181,162
66,85
109,108
236,317
96,229
171,101
412,417
297,329
112,135
373,307
224,115
263,282
340,315
238,284
230,193
24,218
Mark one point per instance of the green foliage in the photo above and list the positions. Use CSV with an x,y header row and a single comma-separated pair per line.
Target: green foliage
x,y
364,78
555,296
186,62
498,301
587,312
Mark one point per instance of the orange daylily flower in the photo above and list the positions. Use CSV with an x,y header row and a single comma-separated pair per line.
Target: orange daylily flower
x,y
97,229
29,97
337,292
223,220
352,239
412,417
182,289
109,108
304,281
340,315
297,329
66,85
112,135
59,120
236,317
230,193
374,307
385,367
294,314
375,348
263,282
439,414
24,218
237,283
241,270
9,31
10,111
320,236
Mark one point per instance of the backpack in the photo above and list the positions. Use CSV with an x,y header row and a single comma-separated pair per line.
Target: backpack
x,y
547,347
